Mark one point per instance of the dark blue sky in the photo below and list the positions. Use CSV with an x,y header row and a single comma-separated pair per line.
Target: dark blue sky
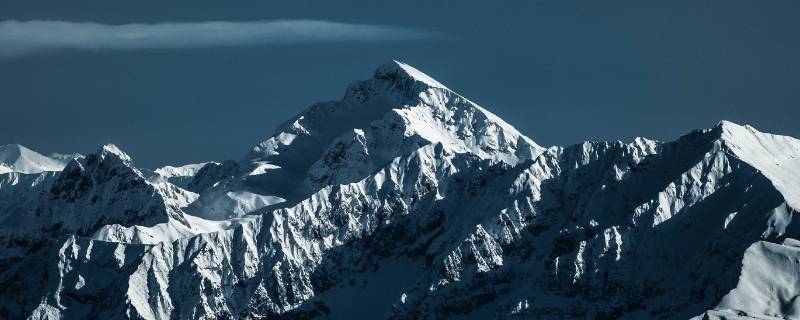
x,y
560,71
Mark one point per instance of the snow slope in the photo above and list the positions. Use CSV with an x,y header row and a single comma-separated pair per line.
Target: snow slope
x,y
17,158
181,176
777,157
769,283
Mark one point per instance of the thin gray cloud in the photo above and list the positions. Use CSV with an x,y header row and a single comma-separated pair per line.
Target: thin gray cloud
x,y
26,37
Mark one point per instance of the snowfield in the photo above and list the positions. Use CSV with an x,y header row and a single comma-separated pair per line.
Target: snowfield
x,y
405,200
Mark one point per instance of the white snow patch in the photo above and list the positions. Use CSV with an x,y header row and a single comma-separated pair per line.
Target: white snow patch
x,y
769,283
729,218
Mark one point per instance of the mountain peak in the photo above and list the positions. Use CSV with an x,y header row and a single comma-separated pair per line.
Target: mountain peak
x,y
105,188
385,117
744,136
726,123
731,127
396,70
12,150
110,149
19,158
776,156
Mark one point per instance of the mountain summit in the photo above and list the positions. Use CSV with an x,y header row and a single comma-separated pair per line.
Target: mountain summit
x,y
18,158
405,200
397,111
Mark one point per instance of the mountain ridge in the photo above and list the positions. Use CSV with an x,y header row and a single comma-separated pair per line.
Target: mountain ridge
x,y
426,206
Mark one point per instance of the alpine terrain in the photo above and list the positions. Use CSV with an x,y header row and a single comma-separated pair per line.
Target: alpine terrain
x,y
405,200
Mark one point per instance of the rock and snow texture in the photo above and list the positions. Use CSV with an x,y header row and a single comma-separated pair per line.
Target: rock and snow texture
x,y
390,115
405,200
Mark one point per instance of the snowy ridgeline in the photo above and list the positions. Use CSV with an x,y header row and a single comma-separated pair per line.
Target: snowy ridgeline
x,y
405,200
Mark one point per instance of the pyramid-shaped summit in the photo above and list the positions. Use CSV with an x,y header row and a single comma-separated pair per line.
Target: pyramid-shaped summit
x,y
398,70
397,90
388,116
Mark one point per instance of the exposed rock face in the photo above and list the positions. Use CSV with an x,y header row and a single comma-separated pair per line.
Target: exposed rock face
x,y
405,200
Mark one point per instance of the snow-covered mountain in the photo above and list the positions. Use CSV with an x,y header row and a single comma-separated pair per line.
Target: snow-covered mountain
x,y
396,112
405,200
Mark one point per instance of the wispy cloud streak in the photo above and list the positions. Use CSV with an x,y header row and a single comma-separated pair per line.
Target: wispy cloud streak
x,y
26,37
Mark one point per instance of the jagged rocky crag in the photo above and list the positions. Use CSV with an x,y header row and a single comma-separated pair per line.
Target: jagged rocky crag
x,y
405,200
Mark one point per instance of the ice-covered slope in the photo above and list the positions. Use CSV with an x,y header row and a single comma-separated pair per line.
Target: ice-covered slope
x,y
775,156
17,158
423,206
